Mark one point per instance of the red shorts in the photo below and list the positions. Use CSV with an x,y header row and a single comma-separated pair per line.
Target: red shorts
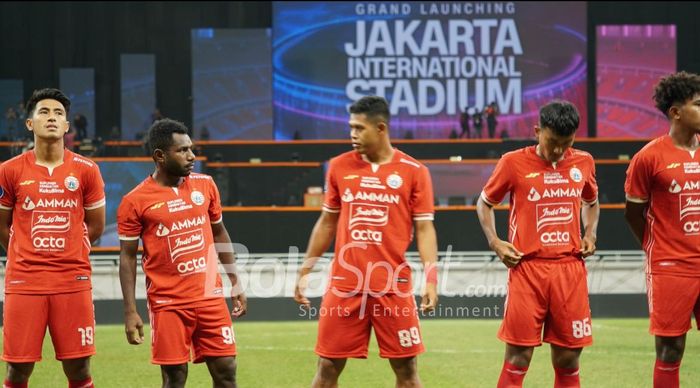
x,y
205,330
345,324
553,293
672,300
69,317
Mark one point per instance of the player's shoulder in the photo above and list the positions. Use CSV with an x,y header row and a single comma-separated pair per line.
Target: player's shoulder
x,y
139,190
15,162
653,146
520,153
82,161
409,160
581,154
345,157
199,177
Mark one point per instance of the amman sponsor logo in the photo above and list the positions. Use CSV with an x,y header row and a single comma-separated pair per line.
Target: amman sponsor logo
x,y
372,197
368,214
554,214
184,243
675,188
49,203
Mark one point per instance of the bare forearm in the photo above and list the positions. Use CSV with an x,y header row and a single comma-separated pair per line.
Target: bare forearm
x,y
590,217
227,257
637,224
487,219
426,239
127,278
321,238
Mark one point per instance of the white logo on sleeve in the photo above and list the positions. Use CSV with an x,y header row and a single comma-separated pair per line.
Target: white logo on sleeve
x,y
197,198
575,174
394,181
534,196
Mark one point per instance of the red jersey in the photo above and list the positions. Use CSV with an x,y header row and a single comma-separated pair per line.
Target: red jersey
x,y
174,223
668,178
545,200
377,206
49,247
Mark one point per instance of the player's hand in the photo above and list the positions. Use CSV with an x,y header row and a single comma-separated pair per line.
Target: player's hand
x,y
133,326
429,300
587,246
240,305
299,290
509,255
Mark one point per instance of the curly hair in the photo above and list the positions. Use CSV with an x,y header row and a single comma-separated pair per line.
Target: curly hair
x,y
674,89
160,135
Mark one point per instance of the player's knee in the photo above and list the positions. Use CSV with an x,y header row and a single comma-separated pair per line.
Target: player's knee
x,y
19,372
77,369
223,372
174,375
405,369
328,370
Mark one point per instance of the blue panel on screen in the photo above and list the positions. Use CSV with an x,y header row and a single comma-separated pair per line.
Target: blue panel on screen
x,y
79,85
231,83
138,93
431,59
11,116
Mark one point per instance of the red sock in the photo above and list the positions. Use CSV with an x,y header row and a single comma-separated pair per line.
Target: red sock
x,y
87,383
566,377
511,376
666,374
8,384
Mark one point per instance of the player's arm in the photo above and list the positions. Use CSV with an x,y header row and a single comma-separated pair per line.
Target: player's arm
x,y
508,254
321,238
5,223
95,222
224,249
590,214
127,277
635,216
426,239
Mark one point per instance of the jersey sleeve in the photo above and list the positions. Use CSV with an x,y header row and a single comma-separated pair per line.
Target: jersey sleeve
x,y
331,198
638,180
422,200
499,184
7,188
590,186
94,192
129,224
215,211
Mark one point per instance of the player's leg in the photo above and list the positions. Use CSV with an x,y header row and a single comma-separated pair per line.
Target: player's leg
x,y
72,327
24,327
406,371
171,340
672,300
343,332
568,325
328,371
214,342
174,376
524,313
396,325
222,371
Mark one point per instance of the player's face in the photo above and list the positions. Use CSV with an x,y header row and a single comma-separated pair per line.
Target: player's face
x,y
179,158
551,145
364,133
49,120
689,114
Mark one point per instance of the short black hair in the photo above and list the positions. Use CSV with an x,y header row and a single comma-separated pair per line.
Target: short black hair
x,y
45,94
373,107
160,135
560,116
675,88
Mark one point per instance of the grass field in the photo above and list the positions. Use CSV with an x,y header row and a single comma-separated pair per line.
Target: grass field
x,y
460,353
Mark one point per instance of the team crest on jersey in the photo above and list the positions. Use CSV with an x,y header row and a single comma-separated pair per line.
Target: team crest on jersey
x,y
394,181
71,183
675,188
347,196
575,174
197,198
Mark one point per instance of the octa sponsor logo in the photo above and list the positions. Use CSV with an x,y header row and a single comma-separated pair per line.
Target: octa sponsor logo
x,y
366,235
555,237
193,265
49,242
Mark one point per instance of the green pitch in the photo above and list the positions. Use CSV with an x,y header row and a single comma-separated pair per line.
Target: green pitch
x,y
460,353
